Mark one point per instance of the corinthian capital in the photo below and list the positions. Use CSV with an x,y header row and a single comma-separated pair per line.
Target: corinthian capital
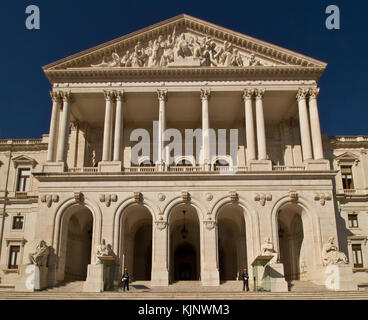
x,y
259,93
120,96
205,94
301,95
109,95
162,94
248,94
313,93
55,96
67,96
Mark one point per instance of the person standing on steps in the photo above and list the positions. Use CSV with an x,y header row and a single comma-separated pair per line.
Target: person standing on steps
x,y
245,277
125,279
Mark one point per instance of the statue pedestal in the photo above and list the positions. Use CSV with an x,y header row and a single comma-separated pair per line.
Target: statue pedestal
x,y
32,278
339,277
268,276
277,278
102,277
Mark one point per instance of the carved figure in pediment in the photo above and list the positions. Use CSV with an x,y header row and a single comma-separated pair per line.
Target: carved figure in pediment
x,y
114,63
209,55
183,47
253,61
236,59
137,56
125,60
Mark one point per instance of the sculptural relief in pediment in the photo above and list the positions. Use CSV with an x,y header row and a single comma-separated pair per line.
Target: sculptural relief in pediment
x,y
182,49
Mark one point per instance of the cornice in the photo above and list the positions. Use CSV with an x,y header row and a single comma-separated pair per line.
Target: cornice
x,y
202,73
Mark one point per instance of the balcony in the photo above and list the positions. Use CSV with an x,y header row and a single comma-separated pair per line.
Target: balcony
x,y
187,169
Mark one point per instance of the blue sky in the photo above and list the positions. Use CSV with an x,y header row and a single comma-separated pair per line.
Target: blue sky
x,y
68,27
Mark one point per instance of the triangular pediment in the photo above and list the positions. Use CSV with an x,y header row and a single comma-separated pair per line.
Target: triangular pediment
x,y
183,42
24,160
347,156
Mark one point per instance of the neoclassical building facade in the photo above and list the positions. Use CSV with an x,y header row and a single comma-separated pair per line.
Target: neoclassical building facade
x,y
202,213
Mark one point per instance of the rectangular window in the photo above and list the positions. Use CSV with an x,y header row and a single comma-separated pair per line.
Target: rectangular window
x,y
24,178
353,220
347,177
357,256
18,222
14,257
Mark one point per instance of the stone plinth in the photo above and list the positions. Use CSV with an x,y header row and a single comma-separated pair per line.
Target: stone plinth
x,y
339,277
210,278
32,278
317,165
277,278
53,167
159,277
110,166
260,165
94,281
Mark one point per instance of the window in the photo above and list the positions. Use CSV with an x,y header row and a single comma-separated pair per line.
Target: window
x,y
357,256
347,177
24,178
14,257
18,222
184,163
353,220
146,163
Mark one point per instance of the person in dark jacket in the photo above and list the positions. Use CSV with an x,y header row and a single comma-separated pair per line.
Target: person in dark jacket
x,y
245,277
125,279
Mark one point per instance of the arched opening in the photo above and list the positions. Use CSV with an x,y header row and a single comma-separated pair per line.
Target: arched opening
x,y
220,163
184,163
76,242
232,249
136,246
291,240
184,244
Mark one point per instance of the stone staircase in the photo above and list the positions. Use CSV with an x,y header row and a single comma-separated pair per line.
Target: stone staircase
x,y
306,286
191,290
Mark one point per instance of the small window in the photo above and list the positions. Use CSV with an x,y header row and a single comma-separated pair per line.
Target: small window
x,y
184,163
24,178
14,257
146,163
353,220
347,177
18,222
357,256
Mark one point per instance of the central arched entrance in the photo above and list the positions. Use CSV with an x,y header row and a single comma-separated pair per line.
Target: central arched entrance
x,y
232,249
136,242
76,243
184,242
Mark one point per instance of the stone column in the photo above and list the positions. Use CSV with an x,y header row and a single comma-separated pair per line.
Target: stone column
x,y
106,155
249,125
160,274
261,133
205,95
304,124
56,99
162,98
64,130
118,126
315,125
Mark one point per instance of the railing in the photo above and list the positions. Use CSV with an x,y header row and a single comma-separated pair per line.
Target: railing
x,y
193,169
20,141
350,191
351,138
288,168
83,170
185,169
140,169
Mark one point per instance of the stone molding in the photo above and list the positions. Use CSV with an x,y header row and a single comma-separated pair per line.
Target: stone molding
x,y
49,199
322,197
108,198
262,198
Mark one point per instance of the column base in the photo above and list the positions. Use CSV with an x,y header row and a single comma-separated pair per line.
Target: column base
x,y
210,278
260,165
159,278
32,278
317,165
53,167
110,166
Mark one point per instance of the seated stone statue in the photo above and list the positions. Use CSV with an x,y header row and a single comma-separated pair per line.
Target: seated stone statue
x,y
39,258
105,250
268,250
331,255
